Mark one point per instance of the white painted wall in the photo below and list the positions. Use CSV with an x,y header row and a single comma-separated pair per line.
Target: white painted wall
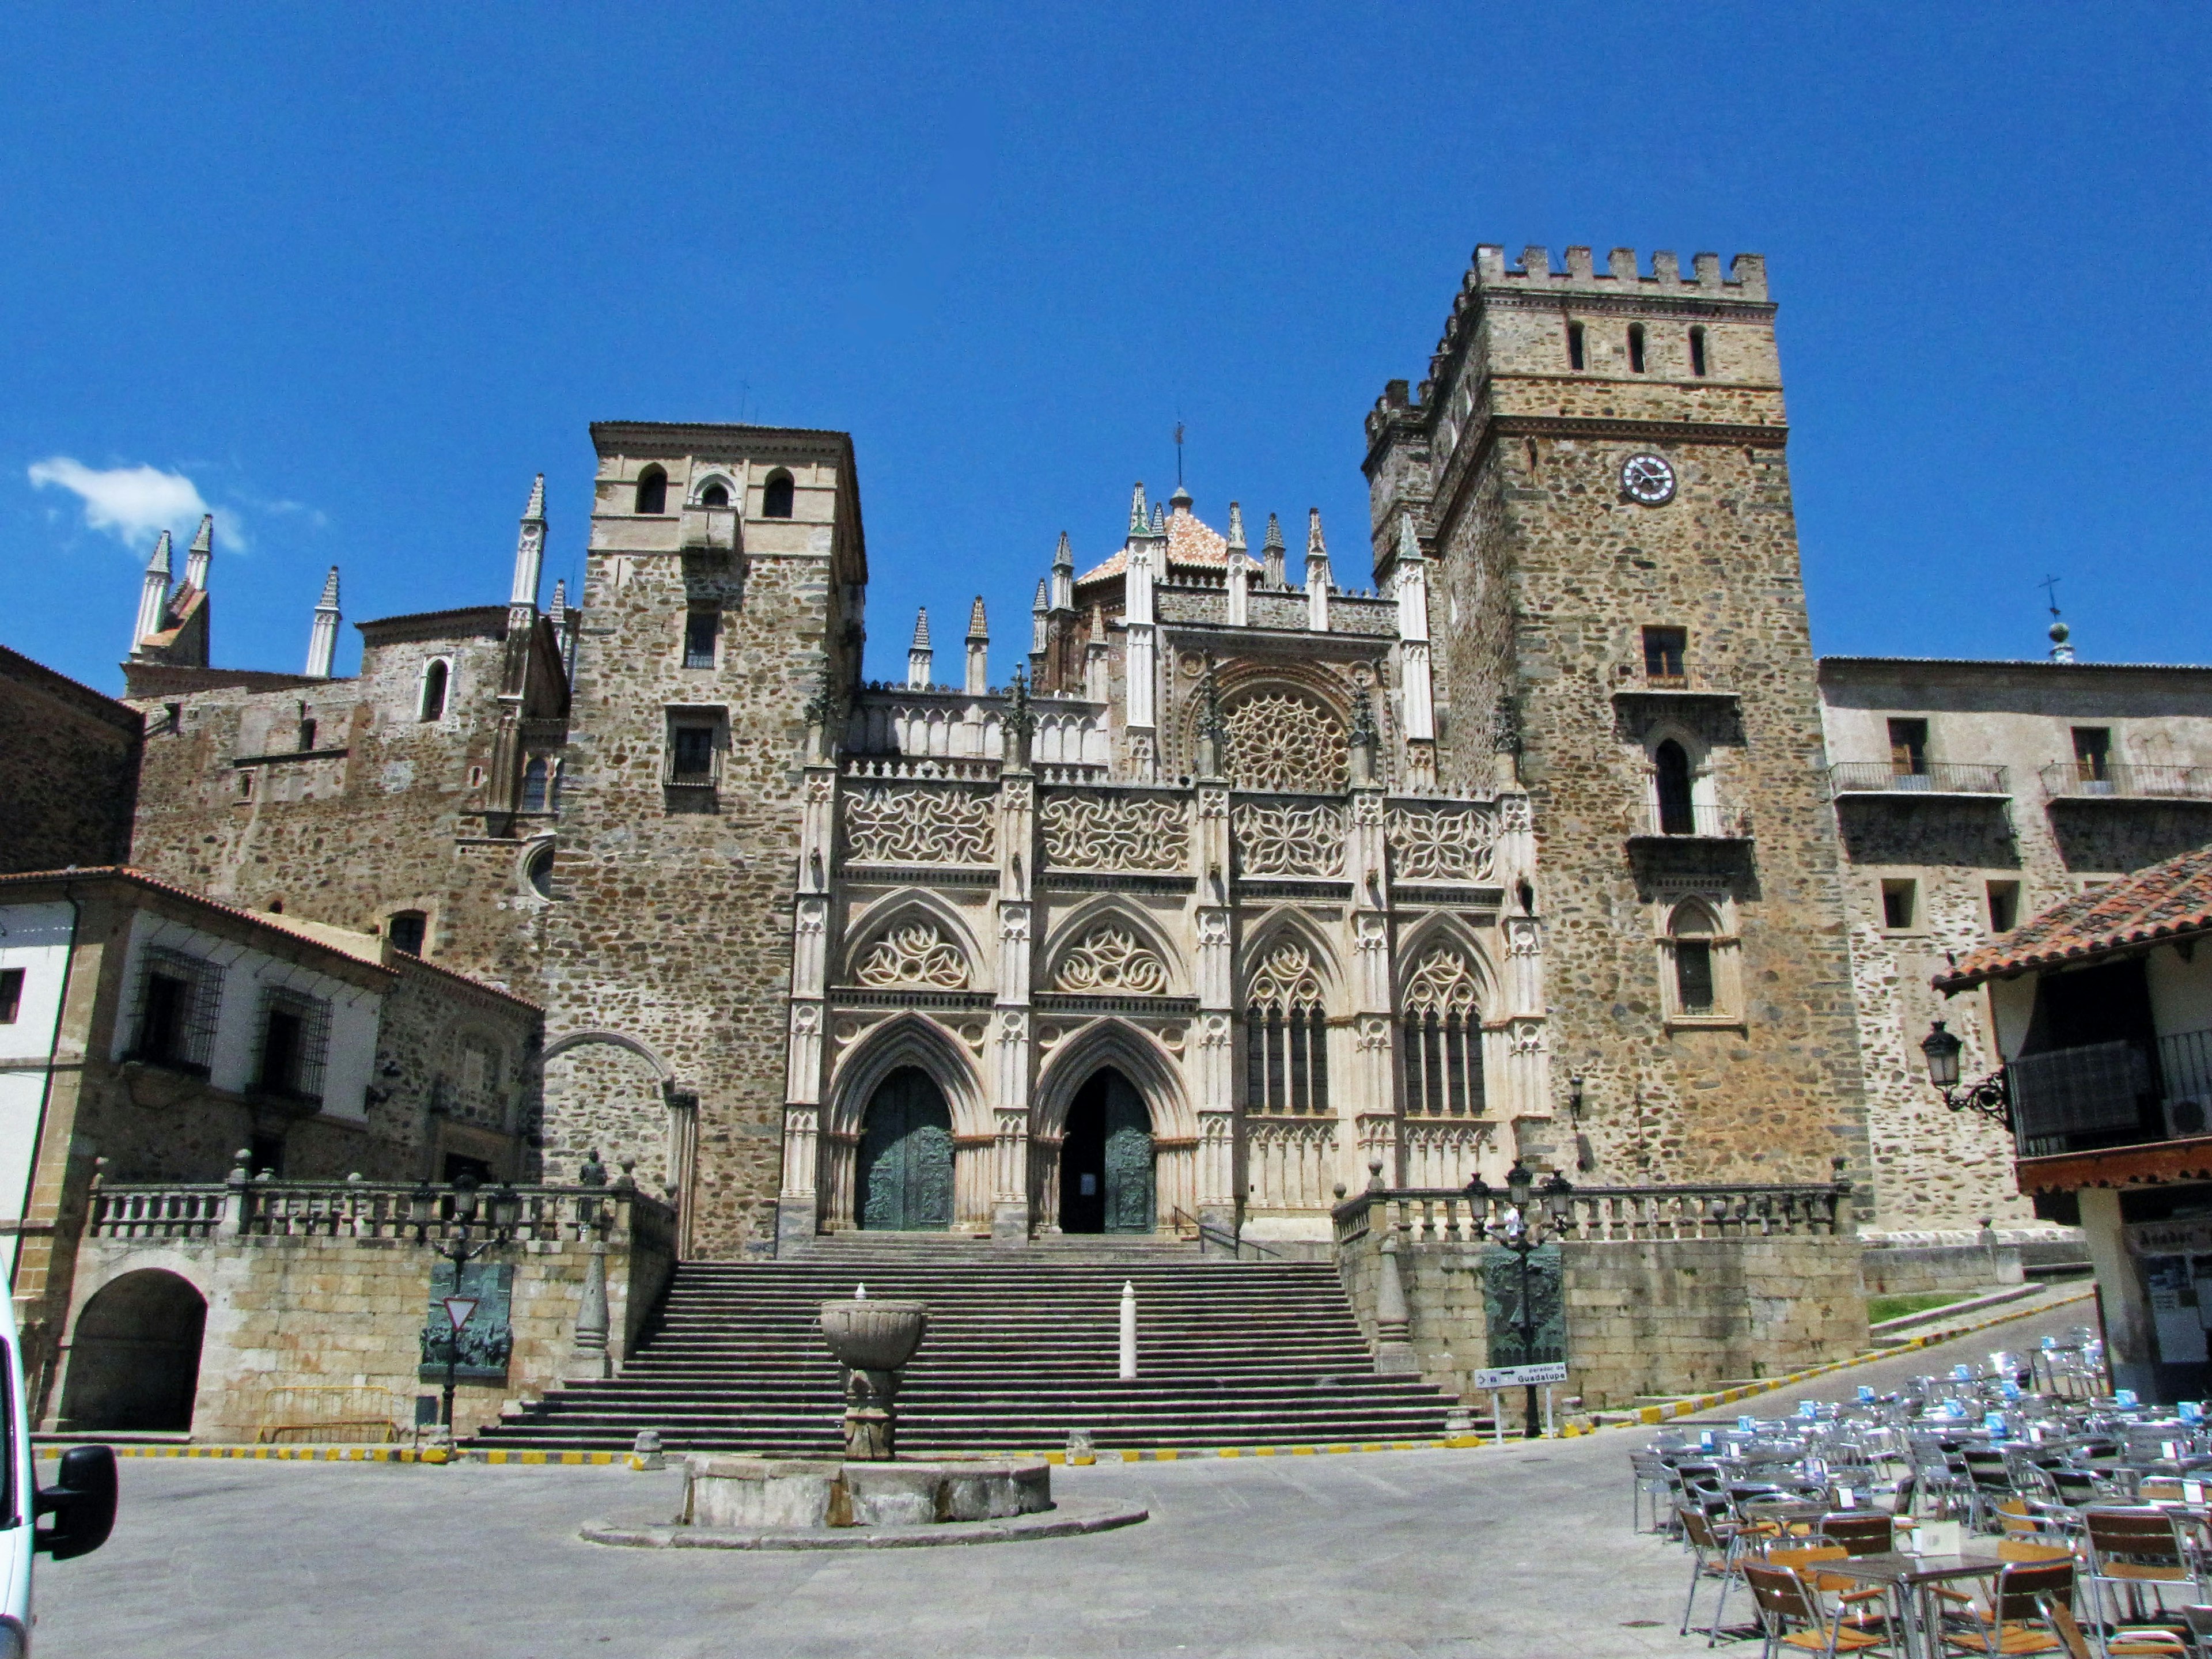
x,y
355,1012
36,938
2180,992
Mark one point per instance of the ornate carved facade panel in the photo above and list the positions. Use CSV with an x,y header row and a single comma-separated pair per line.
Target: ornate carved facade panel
x,y
916,823
1278,741
1442,843
913,953
1112,960
1113,830
1289,838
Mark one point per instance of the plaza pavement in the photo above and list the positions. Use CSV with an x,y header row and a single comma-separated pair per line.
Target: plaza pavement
x,y
1519,1552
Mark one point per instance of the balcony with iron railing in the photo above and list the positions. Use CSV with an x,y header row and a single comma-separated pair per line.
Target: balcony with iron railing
x,y
1890,777
2101,1096
1667,821
2114,780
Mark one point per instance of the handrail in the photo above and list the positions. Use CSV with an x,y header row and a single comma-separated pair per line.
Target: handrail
x,y
1925,778
1236,1242
1709,1210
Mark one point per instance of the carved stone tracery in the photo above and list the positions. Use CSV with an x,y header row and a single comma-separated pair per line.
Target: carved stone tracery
x,y
1289,838
1114,960
914,825
1442,843
1278,741
1286,978
1444,983
913,953
1114,831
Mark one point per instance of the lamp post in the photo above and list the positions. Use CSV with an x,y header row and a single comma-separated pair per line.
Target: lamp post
x,y
1524,1234
1988,1096
478,1225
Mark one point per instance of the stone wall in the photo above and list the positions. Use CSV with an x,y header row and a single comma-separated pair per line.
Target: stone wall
x,y
71,758
1548,572
1644,1316
673,912
325,1313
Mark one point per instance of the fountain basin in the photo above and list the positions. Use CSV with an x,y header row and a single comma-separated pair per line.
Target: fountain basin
x,y
874,1336
744,1493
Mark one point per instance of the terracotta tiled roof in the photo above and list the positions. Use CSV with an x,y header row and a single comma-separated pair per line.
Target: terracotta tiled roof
x,y
1190,542
2164,901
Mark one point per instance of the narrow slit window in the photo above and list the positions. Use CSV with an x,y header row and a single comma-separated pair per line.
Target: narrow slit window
x,y
307,736
1900,904
433,690
1636,347
1575,355
701,628
2004,905
1693,976
11,995
1698,352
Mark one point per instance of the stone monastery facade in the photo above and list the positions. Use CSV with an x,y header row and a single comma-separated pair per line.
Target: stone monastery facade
x,y
1249,883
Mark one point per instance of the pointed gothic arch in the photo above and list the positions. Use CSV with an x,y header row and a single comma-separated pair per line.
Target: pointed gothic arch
x,y
906,910
907,1039
1284,924
1445,930
1107,910
1115,1045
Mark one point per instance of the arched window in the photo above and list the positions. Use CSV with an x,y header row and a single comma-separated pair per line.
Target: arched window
x,y
1636,347
1698,352
407,929
1442,1029
776,496
1670,779
1286,1035
433,690
540,871
1691,933
716,494
534,781
651,491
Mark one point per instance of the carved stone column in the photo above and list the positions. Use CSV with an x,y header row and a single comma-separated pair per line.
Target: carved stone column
x,y
1012,1061
799,1201
1213,1049
1527,1058
1374,1108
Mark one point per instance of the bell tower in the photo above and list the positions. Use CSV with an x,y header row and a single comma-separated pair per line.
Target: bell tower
x,y
1595,468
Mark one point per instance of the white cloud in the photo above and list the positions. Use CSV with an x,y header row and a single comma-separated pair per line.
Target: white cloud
x,y
132,503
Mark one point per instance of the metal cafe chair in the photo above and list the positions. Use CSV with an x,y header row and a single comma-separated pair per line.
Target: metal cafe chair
x,y
1713,1558
1791,1619
2120,1643
2014,1620
1651,1483
2136,1556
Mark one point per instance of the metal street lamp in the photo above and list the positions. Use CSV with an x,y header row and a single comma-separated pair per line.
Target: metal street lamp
x,y
1988,1096
463,1241
1524,1234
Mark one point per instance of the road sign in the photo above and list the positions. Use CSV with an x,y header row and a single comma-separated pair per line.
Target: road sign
x,y
1514,1376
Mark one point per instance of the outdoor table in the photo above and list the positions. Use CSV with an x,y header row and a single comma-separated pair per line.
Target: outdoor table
x,y
1910,1577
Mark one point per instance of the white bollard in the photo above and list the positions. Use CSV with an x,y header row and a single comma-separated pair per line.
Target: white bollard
x,y
1128,1330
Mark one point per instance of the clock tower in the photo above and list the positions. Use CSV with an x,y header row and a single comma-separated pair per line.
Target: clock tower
x,y
1596,468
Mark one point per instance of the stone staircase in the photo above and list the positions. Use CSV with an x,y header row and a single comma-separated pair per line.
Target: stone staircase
x,y
1022,1347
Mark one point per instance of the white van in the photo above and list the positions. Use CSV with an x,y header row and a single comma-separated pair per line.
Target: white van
x,y
79,1508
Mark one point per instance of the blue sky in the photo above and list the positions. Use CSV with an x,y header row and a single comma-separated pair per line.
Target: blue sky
x,y
350,282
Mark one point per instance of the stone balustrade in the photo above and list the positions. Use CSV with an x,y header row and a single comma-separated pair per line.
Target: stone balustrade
x,y
1448,1215
365,1210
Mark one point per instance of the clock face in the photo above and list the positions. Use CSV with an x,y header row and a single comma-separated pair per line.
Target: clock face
x,y
1648,479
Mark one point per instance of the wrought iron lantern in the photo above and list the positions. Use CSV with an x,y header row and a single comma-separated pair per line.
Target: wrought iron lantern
x,y
1988,1096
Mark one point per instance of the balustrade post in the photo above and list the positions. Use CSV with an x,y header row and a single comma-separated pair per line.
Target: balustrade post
x,y
239,1190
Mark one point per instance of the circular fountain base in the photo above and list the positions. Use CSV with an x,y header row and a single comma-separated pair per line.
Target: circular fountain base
x,y
787,1504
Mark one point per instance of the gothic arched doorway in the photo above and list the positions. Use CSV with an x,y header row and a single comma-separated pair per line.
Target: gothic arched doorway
x,y
1106,1159
135,1364
906,1158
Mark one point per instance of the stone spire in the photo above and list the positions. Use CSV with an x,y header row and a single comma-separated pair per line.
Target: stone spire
x,y
1137,515
323,638
1038,626
1317,583
918,654
1063,575
1239,582
558,612
1271,555
564,623
979,652
1159,522
154,595
530,548
199,555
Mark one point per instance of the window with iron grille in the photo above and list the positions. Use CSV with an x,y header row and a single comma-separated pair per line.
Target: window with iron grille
x,y
295,1041
179,998
701,628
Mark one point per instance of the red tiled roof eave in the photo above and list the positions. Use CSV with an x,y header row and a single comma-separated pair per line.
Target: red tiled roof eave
x,y
2163,904
2117,1166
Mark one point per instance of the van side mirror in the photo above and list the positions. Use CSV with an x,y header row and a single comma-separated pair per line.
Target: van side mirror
x,y
81,1502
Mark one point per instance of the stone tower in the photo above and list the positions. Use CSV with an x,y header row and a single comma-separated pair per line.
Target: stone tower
x,y
1594,471
721,605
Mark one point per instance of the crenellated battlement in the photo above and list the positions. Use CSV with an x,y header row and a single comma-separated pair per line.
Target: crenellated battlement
x,y
1624,273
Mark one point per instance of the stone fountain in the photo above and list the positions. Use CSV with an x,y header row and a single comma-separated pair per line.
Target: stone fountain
x,y
872,1498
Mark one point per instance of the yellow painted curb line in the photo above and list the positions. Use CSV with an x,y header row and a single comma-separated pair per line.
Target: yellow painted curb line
x,y
364,1455
1689,1404
1176,1454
